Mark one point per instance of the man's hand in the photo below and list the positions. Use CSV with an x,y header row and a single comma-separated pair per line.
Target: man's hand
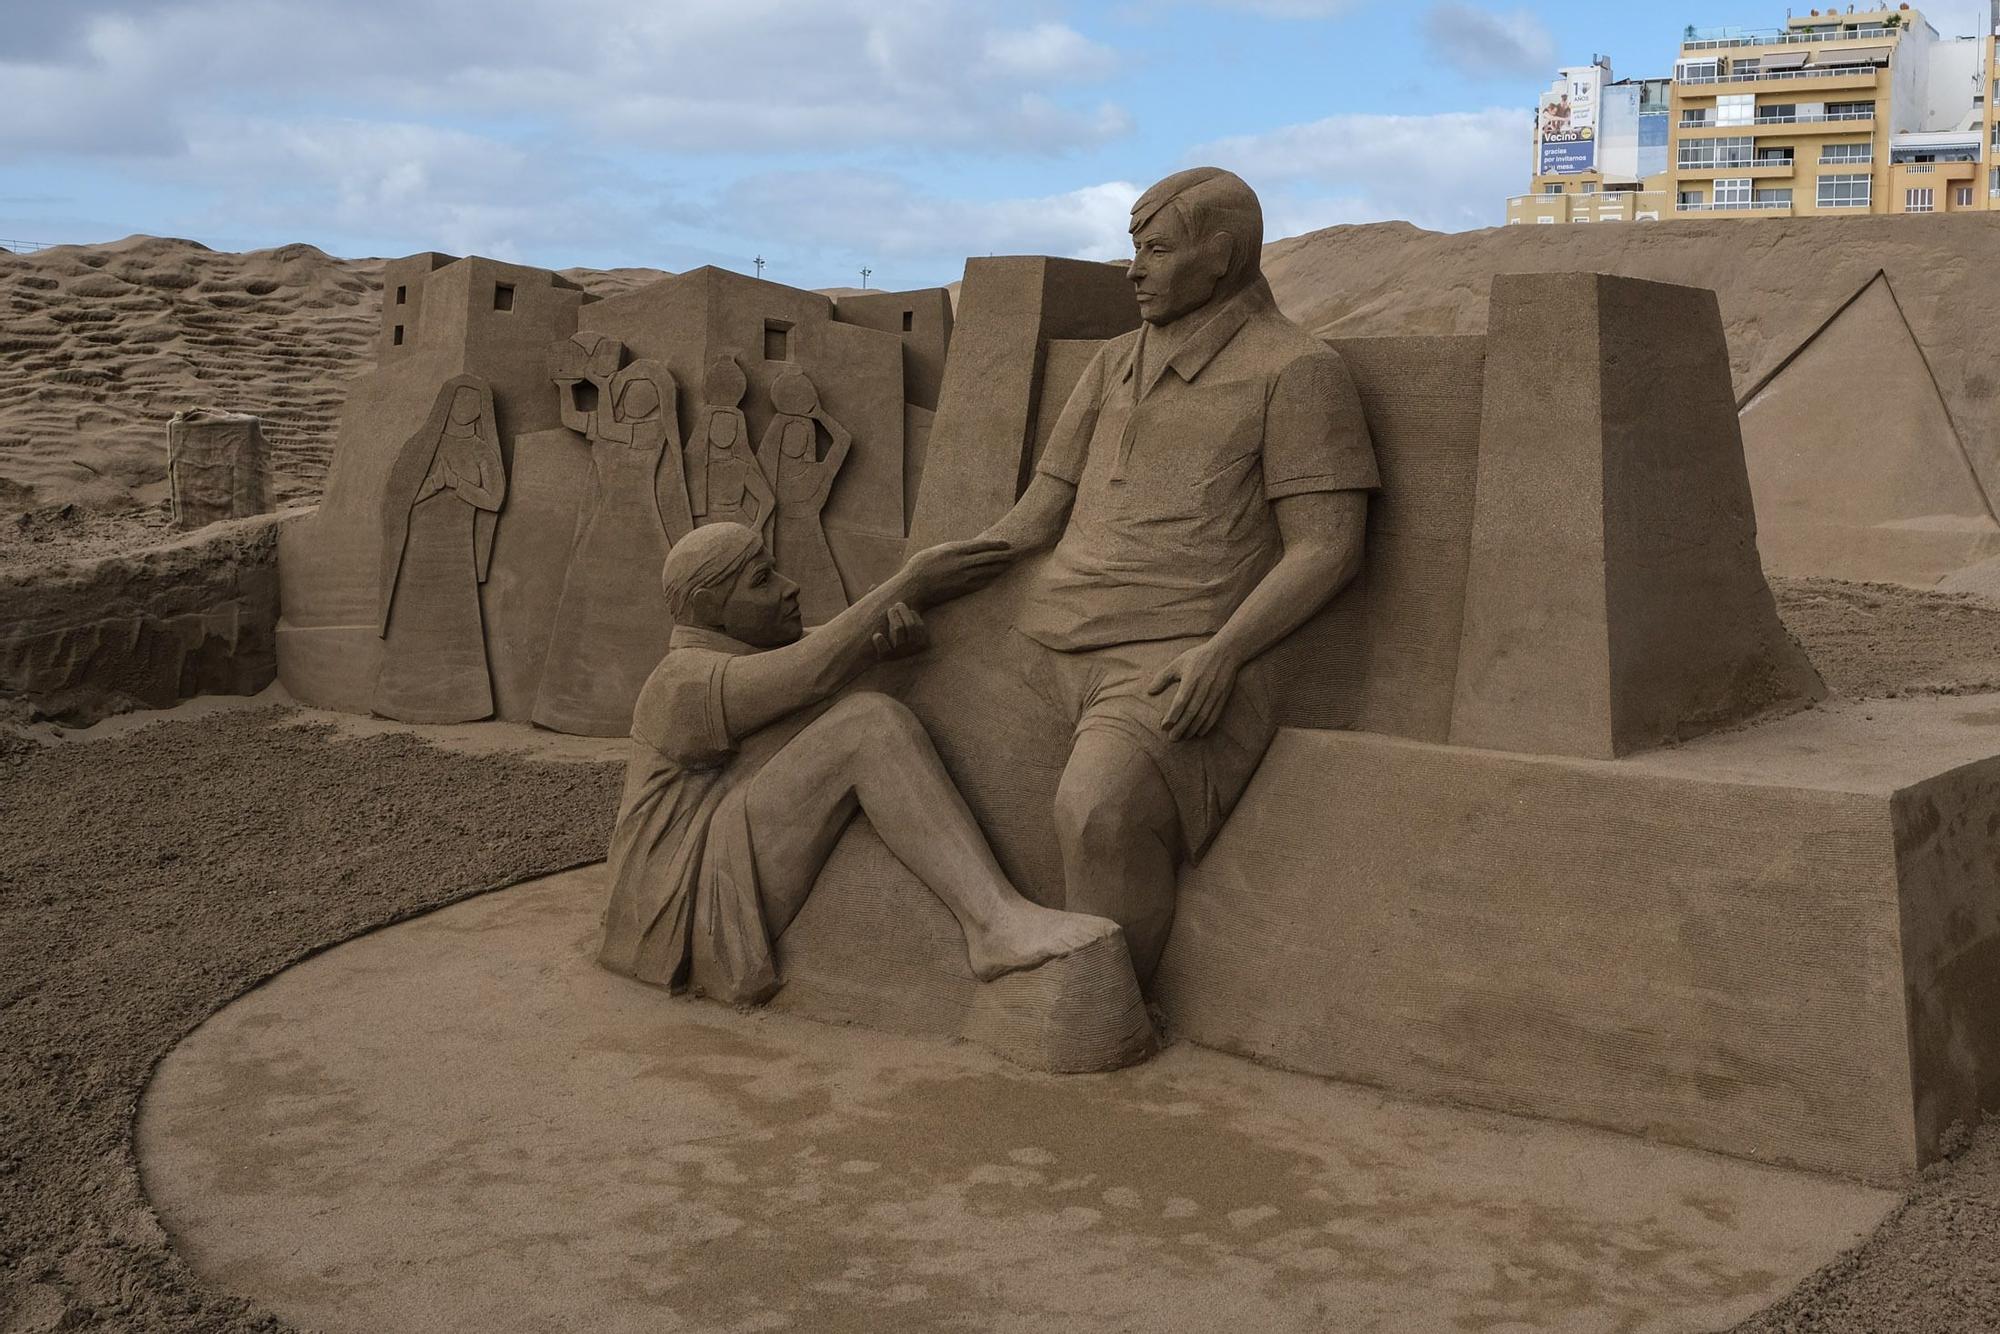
x,y
1207,677
902,634
953,569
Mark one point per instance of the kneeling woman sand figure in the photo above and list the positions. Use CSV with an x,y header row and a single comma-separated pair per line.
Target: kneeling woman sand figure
x,y
742,776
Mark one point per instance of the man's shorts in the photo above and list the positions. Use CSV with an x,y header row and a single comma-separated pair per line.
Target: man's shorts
x,y
1104,691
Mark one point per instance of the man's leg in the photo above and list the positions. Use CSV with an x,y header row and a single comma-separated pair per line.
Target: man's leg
x,y
1120,836
870,753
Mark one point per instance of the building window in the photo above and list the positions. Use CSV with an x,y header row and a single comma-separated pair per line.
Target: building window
x,y
1737,109
1696,116
1590,187
1993,181
1779,112
1774,157
1844,191
1691,198
1837,153
1697,71
1552,188
402,295
1961,196
909,320
1774,197
1545,220
1732,192
1850,111
777,340
397,337
1920,201
1701,154
503,296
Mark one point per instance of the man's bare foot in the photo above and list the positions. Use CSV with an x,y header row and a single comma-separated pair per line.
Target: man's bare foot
x,y
1029,937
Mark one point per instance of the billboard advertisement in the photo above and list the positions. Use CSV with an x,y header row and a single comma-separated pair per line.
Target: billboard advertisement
x,y
1566,123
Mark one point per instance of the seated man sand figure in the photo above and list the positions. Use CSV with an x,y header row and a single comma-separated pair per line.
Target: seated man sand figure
x,y
1205,492
740,783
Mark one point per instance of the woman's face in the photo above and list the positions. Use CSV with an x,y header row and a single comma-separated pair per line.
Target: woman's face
x,y
465,405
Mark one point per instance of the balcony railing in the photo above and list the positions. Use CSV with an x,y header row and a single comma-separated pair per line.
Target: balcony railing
x,y
1754,76
1814,119
1787,39
1754,206
1723,168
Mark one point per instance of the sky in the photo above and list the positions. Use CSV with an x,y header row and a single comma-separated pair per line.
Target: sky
x,y
824,136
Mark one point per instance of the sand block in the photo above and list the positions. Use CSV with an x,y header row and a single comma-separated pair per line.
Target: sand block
x,y
873,948
1615,600
218,466
1776,943
993,403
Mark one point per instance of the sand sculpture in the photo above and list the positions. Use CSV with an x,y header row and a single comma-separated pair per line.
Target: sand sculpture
x,y
218,467
443,499
1536,770
743,775
609,625
802,476
621,424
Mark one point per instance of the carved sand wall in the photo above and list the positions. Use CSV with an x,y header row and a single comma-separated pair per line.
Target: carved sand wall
x,y
144,629
606,453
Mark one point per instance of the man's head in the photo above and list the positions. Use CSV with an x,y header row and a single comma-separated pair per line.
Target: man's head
x,y
1197,237
719,577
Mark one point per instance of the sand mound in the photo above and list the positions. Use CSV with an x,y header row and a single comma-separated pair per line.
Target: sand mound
x,y
102,344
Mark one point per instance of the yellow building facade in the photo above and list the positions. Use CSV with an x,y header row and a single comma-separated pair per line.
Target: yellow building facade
x,y
1835,114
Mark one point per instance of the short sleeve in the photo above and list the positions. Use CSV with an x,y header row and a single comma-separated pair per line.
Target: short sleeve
x,y
679,711
1069,444
1315,434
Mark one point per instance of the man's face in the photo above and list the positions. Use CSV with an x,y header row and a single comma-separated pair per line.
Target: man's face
x,y
1171,273
762,609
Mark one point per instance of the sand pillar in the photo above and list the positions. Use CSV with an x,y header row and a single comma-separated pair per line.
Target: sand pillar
x,y
218,466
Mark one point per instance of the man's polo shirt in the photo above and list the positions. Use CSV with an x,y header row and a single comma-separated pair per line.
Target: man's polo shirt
x,y
1172,525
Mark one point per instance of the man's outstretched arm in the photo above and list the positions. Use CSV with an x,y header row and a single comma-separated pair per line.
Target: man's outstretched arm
x,y
1323,533
760,688
1037,519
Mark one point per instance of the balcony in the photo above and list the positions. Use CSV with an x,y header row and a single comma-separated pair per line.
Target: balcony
x,y
1753,170
1763,208
1838,122
1943,171
1853,76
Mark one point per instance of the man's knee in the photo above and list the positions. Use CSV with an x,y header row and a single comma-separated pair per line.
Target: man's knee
x,y
1109,799
866,720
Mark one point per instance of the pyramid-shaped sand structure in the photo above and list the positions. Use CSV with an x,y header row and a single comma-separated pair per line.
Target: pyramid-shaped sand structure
x,y
1856,466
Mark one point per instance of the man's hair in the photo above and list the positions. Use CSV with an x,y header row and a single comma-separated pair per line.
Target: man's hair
x,y
705,558
1208,200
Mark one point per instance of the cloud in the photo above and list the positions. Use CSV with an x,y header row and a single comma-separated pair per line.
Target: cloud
x,y
1487,45
881,216
1288,9
718,76
1047,51
1448,172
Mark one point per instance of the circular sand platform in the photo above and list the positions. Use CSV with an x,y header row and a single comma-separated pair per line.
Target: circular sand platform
x,y
461,1123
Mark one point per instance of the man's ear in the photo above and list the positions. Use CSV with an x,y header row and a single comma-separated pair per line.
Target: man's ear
x,y
1222,249
706,604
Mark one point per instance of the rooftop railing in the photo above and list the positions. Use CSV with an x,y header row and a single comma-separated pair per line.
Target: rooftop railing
x,y
1787,39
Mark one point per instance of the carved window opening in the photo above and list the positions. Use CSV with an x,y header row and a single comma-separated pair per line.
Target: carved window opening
x,y
777,340
402,295
503,296
909,320
397,337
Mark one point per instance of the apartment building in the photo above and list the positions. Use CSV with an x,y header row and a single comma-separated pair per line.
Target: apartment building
x,y
1836,113
1601,146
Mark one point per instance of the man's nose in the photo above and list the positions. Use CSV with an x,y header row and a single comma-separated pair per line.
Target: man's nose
x,y
1135,271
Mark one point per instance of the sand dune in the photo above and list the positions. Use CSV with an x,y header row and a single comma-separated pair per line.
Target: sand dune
x,y
102,344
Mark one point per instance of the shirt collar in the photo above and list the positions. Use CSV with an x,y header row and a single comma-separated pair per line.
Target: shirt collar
x,y
694,636
1202,346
